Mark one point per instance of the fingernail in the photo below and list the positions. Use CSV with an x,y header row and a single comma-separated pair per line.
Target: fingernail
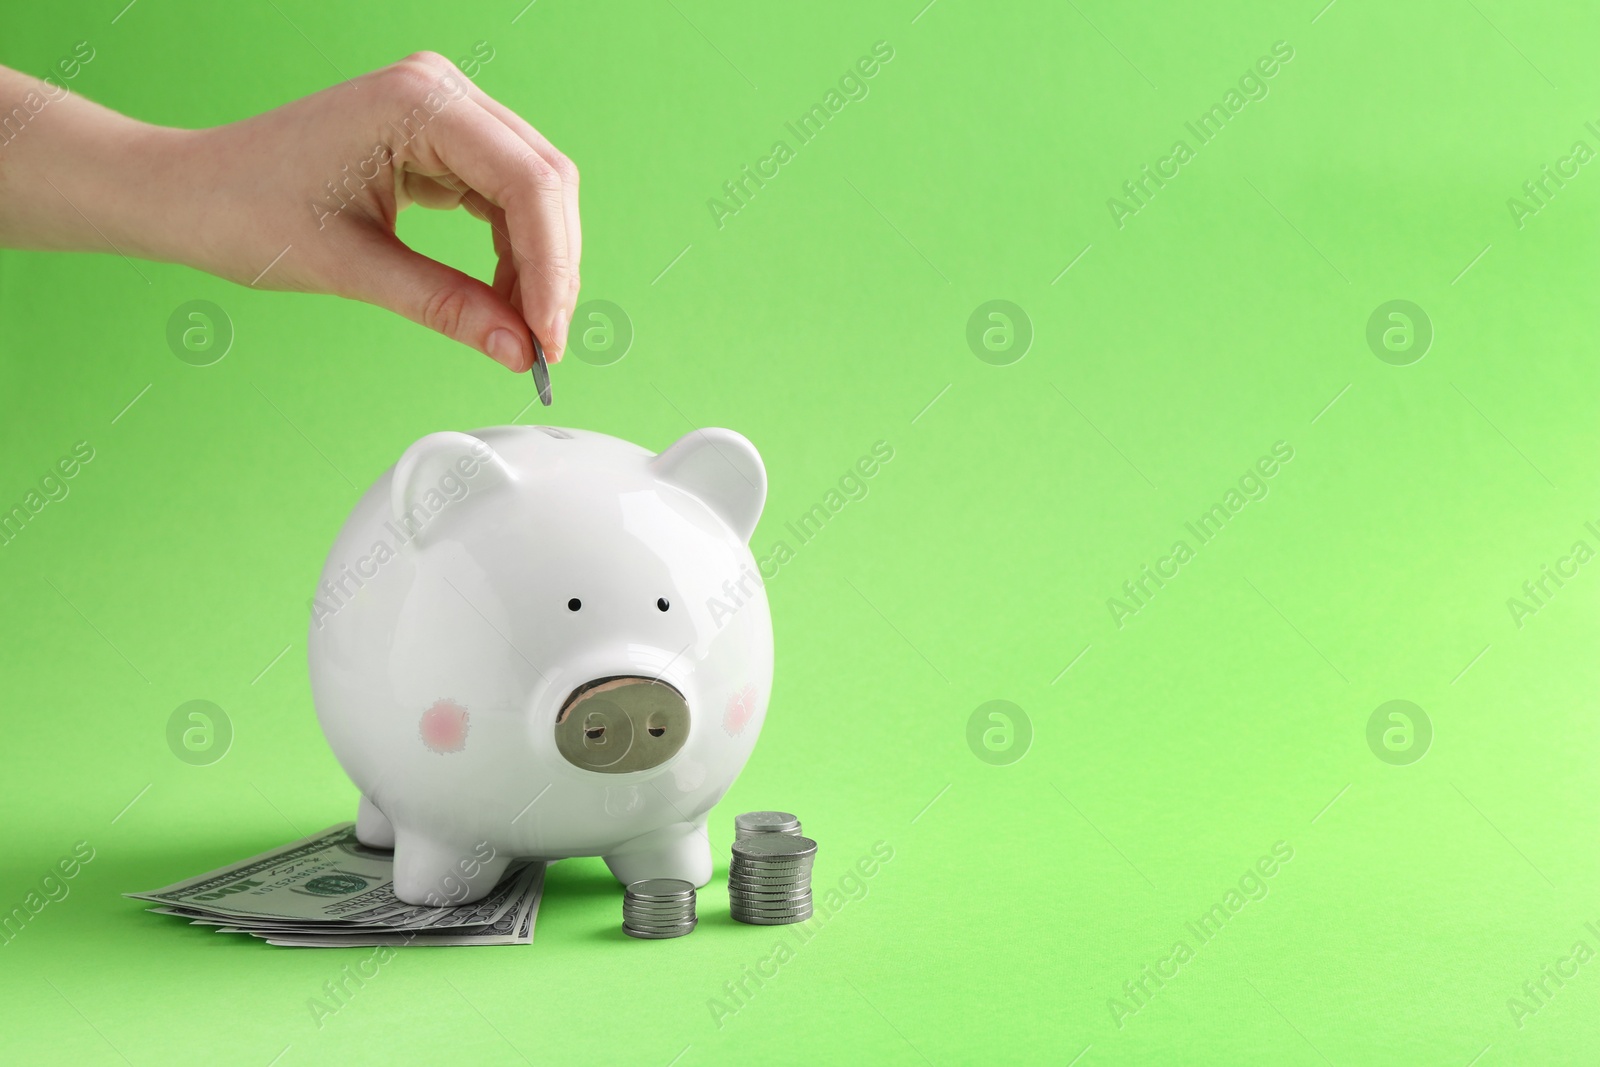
x,y
505,349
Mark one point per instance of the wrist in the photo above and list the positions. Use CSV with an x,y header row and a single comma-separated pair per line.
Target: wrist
x,y
150,194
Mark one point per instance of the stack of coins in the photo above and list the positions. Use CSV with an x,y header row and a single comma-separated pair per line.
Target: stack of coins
x,y
769,880
658,907
752,823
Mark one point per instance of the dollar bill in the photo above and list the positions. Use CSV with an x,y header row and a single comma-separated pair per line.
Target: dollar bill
x,y
329,889
514,928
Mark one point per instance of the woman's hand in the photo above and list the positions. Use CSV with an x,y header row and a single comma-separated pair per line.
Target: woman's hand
x,y
305,198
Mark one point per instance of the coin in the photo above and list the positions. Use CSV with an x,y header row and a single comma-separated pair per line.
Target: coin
x,y
658,933
658,906
661,889
787,863
770,913
775,896
762,920
541,372
648,915
740,910
791,885
664,915
775,848
773,863
648,902
765,822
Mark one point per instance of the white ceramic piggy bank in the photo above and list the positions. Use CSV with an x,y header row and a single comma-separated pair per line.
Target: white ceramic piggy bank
x,y
532,642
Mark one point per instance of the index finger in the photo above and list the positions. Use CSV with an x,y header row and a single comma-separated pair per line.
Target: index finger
x,y
465,140
551,155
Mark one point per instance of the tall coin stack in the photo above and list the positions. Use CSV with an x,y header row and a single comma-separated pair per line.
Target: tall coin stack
x,y
752,823
769,880
658,907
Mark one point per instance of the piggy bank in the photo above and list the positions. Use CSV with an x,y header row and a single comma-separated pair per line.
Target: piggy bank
x,y
531,642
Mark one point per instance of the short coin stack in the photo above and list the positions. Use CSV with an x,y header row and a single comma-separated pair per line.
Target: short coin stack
x,y
769,880
752,823
657,908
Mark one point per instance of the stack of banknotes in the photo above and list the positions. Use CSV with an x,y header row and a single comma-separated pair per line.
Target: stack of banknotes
x,y
330,891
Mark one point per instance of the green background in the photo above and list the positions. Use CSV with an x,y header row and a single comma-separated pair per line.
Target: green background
x,y
1230,713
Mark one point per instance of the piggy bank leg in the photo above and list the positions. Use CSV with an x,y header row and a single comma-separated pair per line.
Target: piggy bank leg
x,y
681,850
372,826
432,874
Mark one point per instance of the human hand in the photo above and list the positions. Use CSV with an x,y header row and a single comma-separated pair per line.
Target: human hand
x,y
305,198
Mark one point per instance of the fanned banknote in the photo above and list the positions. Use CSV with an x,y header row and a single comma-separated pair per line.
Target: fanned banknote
x,y
329,890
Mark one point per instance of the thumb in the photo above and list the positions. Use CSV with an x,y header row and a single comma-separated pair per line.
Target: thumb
x,y
447,301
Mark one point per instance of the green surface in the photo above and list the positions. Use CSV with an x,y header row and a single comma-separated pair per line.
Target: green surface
x,y
1168,754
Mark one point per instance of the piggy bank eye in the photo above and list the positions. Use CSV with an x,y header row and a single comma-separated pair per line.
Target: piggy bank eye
x,y
574,604
661,602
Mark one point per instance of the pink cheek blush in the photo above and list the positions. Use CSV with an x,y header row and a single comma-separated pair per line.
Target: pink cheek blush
x,y
741,709
444,727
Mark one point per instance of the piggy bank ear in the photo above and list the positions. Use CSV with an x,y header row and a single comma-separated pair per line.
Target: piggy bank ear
x,y
439,472
723,470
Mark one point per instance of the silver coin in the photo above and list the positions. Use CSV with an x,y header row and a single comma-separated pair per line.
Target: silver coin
x,y
773,898
642,916
661,889
541,372
762,920
775,847
663,912
638,915
771,865
770,906
771,913
745,835
766,822
663,923
786,864
656,917
745,849
764,895
657,935
769,888
771,877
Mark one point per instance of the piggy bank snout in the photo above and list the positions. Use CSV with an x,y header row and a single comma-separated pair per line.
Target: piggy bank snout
x,y
619,724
